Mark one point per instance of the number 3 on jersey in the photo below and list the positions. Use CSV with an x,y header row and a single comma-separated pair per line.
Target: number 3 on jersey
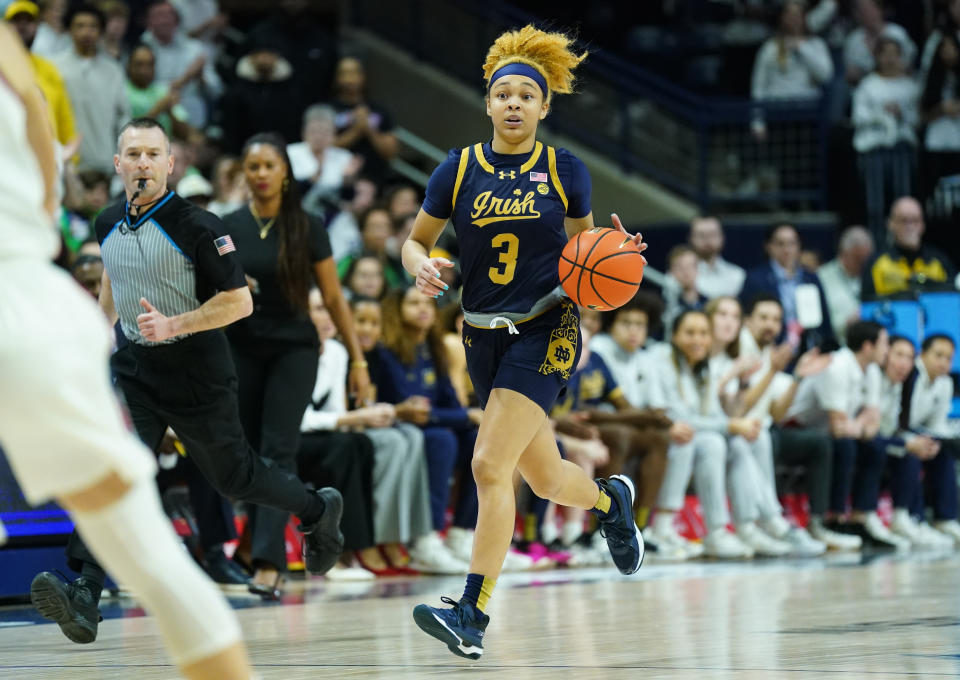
x,y
508,258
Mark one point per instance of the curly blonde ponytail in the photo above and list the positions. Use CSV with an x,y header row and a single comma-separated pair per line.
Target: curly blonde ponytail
x,y
548,53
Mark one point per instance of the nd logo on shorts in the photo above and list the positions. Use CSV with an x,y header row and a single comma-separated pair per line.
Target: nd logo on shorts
x,y
562,349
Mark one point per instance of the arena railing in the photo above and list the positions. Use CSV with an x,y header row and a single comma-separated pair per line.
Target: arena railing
x,y
703,148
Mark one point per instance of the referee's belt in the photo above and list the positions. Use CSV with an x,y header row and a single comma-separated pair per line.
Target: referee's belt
x,y
497,320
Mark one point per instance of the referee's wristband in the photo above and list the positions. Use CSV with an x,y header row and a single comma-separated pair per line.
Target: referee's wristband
x,y
358,364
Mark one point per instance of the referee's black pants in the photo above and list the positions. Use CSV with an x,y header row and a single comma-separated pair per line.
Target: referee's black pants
x,y
191,386
276,380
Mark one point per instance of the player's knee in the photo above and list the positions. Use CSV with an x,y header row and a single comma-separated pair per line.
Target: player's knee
x,y
488,471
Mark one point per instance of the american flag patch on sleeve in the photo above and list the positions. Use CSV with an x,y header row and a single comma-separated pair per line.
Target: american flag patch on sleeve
x,y
224,245
538,176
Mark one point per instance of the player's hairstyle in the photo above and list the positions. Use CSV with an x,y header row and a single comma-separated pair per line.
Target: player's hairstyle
x,y
861,332
352,267
85,8
933,337
293,229
758,299
142,123
548,53
701,371
733,349
399,340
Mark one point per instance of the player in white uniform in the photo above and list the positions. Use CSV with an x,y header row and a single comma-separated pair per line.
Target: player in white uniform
x,y
60,425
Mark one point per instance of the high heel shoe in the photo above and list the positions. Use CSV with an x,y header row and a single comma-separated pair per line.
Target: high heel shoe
x,y
268,592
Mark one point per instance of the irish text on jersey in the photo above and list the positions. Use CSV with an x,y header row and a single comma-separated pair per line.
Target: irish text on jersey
x,y
488,208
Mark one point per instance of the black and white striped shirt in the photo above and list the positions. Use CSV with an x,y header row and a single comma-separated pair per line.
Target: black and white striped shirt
x,y
169,256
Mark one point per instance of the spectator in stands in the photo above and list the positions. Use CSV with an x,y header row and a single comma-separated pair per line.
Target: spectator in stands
x,y
376,230
364,277
885,119
182,63
263,97
861,46
359,196
22,16
715,276
842,278
624,332
87,270
401,496
940,112
196,189
784,277
413,377
230,188
948,24
768,395
53,34
152,99
680,288
844,400
117,14
309,44
907,265
792,64
402,200
362,127
97,88
683,386
744,390
912,451
316,160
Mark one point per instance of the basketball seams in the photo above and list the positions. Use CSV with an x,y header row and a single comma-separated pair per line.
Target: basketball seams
x,y
588,270
586,259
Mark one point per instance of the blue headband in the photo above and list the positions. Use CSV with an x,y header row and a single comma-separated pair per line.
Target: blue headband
x,y
520,69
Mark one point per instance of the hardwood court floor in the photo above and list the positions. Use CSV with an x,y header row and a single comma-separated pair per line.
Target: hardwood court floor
x,y
841,617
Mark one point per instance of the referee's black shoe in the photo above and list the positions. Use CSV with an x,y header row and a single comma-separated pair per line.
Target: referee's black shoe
x,y
322,539
70,605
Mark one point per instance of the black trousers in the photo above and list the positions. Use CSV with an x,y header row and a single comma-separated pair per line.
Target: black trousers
x,y
812,449
276,380
343,460
191,386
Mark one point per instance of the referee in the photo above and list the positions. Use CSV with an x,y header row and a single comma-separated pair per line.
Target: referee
x,y
173,278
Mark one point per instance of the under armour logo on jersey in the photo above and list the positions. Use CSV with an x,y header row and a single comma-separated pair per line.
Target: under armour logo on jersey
x,y
503,174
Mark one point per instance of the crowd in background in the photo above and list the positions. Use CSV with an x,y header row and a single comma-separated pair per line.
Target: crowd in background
x,y
716,382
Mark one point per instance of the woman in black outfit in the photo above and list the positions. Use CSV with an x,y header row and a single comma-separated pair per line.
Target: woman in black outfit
x,y
283,251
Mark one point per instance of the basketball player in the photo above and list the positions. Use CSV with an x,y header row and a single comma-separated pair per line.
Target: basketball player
x,y
60,426
514,203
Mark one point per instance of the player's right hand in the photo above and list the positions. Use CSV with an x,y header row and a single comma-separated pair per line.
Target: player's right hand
x,y
428,276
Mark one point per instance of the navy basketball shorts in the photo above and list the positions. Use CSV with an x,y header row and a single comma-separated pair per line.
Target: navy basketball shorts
x,y
537,363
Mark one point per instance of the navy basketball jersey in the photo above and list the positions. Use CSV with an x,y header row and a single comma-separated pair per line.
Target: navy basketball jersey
x,y
508,212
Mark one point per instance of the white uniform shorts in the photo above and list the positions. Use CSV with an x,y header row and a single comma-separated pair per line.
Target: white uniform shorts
x,y
61,426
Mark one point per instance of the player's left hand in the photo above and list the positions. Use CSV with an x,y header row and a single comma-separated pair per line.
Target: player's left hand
x,y
636,238
153,325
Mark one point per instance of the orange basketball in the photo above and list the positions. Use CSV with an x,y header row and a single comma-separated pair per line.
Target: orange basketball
x,y
600,268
